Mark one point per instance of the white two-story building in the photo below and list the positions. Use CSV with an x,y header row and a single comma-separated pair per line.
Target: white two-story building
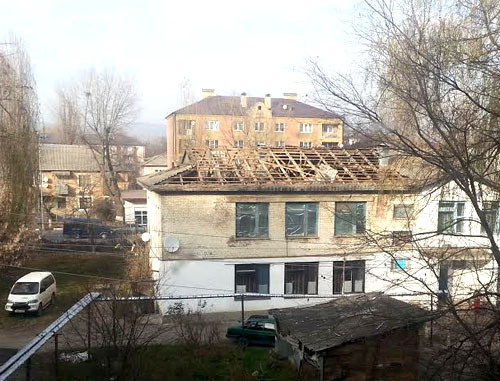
x,y
301,226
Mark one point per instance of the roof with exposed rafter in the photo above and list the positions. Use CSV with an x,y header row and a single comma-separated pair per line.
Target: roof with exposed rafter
x,y
284,169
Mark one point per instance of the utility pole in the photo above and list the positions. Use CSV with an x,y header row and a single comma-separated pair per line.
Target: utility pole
x,y
40,137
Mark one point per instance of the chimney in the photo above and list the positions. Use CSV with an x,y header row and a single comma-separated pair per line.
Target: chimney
x,y
267,101
384,154
292,96
243,100
205,93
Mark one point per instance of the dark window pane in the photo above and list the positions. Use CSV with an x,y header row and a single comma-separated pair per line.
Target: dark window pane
x,y
301,278
301,219
252,219
252,278
350,218
348,277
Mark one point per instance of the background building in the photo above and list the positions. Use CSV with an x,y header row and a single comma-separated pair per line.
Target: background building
x,y
247,122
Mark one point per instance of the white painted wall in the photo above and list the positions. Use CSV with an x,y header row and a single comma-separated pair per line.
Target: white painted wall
x,y
130,209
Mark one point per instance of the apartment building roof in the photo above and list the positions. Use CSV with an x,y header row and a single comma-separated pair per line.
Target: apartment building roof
x,y
276,169
347,319
231,105
67,157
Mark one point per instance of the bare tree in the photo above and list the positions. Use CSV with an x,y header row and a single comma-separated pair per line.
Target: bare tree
x,y
104,104
427,89
19,120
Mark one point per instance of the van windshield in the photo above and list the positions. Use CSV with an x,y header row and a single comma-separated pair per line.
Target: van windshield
x,y
25,288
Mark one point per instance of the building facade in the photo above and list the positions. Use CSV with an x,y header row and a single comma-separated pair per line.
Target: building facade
x,y
248,122
303,226
72,178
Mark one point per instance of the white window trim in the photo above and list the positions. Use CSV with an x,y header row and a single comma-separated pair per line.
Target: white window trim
x,y
239,126
213,125
279,130
310,128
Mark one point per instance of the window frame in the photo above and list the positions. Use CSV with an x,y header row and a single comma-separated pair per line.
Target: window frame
x,y
350,266
306,128
257,217
209,144
237,143
407,208
212,125
80,198
492,208
305,144
395,266
279,144
312,268
84,183
279,127
143,217
458,221
260,126
239,126
336,226
305,228
261,270
327,125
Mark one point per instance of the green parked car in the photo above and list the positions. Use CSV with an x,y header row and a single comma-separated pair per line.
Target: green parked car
x,y
257,330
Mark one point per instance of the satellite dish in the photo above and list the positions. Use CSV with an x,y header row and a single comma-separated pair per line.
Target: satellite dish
x,y
145,237
285,107
45,179
171,244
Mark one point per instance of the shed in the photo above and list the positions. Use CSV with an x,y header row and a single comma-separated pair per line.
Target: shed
x,y
364,337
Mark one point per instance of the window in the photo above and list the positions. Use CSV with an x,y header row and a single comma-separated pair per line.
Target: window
x,y
238,143
348,277
402,211
450,217
350,218
305,144
61,203
85,202
259,108
141,217
251,278
401,237
260,144
85,181
186,127
328,129
213,125
301,278
279,144
252,219
301,219
212,143
306,127
239,126
279,127
329,145
398,264
260,126
490,209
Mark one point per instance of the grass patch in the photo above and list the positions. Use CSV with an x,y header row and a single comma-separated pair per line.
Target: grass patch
x,y
69,288
180,362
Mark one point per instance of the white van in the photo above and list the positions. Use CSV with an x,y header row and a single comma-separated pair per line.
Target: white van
x,y
32,293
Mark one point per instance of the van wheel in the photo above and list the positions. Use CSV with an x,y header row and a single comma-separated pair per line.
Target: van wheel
x,y
53,299
39,310
76,235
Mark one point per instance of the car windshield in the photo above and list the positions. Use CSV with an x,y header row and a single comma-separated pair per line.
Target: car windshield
x,y
25,288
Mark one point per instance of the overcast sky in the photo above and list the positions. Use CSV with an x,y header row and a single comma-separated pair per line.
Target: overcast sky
x,y
231,46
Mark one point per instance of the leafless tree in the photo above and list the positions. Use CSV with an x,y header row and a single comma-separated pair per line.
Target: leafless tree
x,y
19,121
427,88
106,105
